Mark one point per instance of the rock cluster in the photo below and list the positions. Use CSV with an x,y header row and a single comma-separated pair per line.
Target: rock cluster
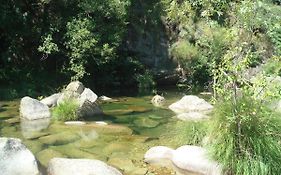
x,y
186,159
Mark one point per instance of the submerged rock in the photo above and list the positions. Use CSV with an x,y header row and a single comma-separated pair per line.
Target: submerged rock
x,y
16,159
51,101
186,159
33,109
76,123
146,122
62,166
191,103
46,155
30,129
158,101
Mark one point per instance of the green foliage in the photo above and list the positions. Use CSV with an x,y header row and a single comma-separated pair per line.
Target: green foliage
x,y
273,66
145,80
66,111
245,137
48,46
183,50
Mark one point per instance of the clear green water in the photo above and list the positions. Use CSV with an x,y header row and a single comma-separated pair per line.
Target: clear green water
x,y
135,125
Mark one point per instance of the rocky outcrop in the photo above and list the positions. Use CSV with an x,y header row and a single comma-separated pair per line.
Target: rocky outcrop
x,y
186,159
33,109
191,103
16,159
158,100
51,101
86,98
63,166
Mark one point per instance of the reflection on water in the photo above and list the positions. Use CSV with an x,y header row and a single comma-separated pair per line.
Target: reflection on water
x,y
134,125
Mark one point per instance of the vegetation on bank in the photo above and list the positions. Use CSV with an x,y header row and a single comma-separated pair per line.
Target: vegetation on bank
x,y
66,111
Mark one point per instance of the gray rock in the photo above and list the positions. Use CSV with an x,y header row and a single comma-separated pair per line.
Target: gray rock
x,y
192,116
16,159
62,166
87,95
72,91
51,101
158,101
105,98
33,109
191,103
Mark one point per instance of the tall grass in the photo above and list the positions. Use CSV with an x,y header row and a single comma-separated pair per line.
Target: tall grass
x,y
245,138
66,111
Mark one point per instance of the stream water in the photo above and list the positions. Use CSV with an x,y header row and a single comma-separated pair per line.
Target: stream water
x,y
134,125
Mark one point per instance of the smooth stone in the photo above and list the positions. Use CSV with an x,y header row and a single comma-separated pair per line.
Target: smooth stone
x,y
191,103
51,101
46,155
62,166
138,171
110,129
59,139
192,116
160,155
33,109
158,100
146,122
79,123
16,159
194,159
88,135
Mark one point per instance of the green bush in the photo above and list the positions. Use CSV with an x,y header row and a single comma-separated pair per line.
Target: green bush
x,y
66,111
145,81
245,138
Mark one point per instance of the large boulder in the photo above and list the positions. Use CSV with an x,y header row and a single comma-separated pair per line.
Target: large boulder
x,y
87,104
33,109
51,101
63,166
191,103
160,155
72,91
186,159
158,100
194,159
16,159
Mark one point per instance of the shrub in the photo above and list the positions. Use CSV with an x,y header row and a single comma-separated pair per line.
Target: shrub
x,y
66,111
245,137
145,81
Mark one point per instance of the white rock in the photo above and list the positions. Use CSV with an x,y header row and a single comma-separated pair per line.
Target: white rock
x,y
194,159
51,101
75,86
160,155
191,103
33,109
101,123
105,98
75,123
87,95
192,116
185,160
63,166
16,159
72,91
158,101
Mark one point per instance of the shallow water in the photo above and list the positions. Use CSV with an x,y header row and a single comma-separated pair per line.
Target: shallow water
x,y
134,125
